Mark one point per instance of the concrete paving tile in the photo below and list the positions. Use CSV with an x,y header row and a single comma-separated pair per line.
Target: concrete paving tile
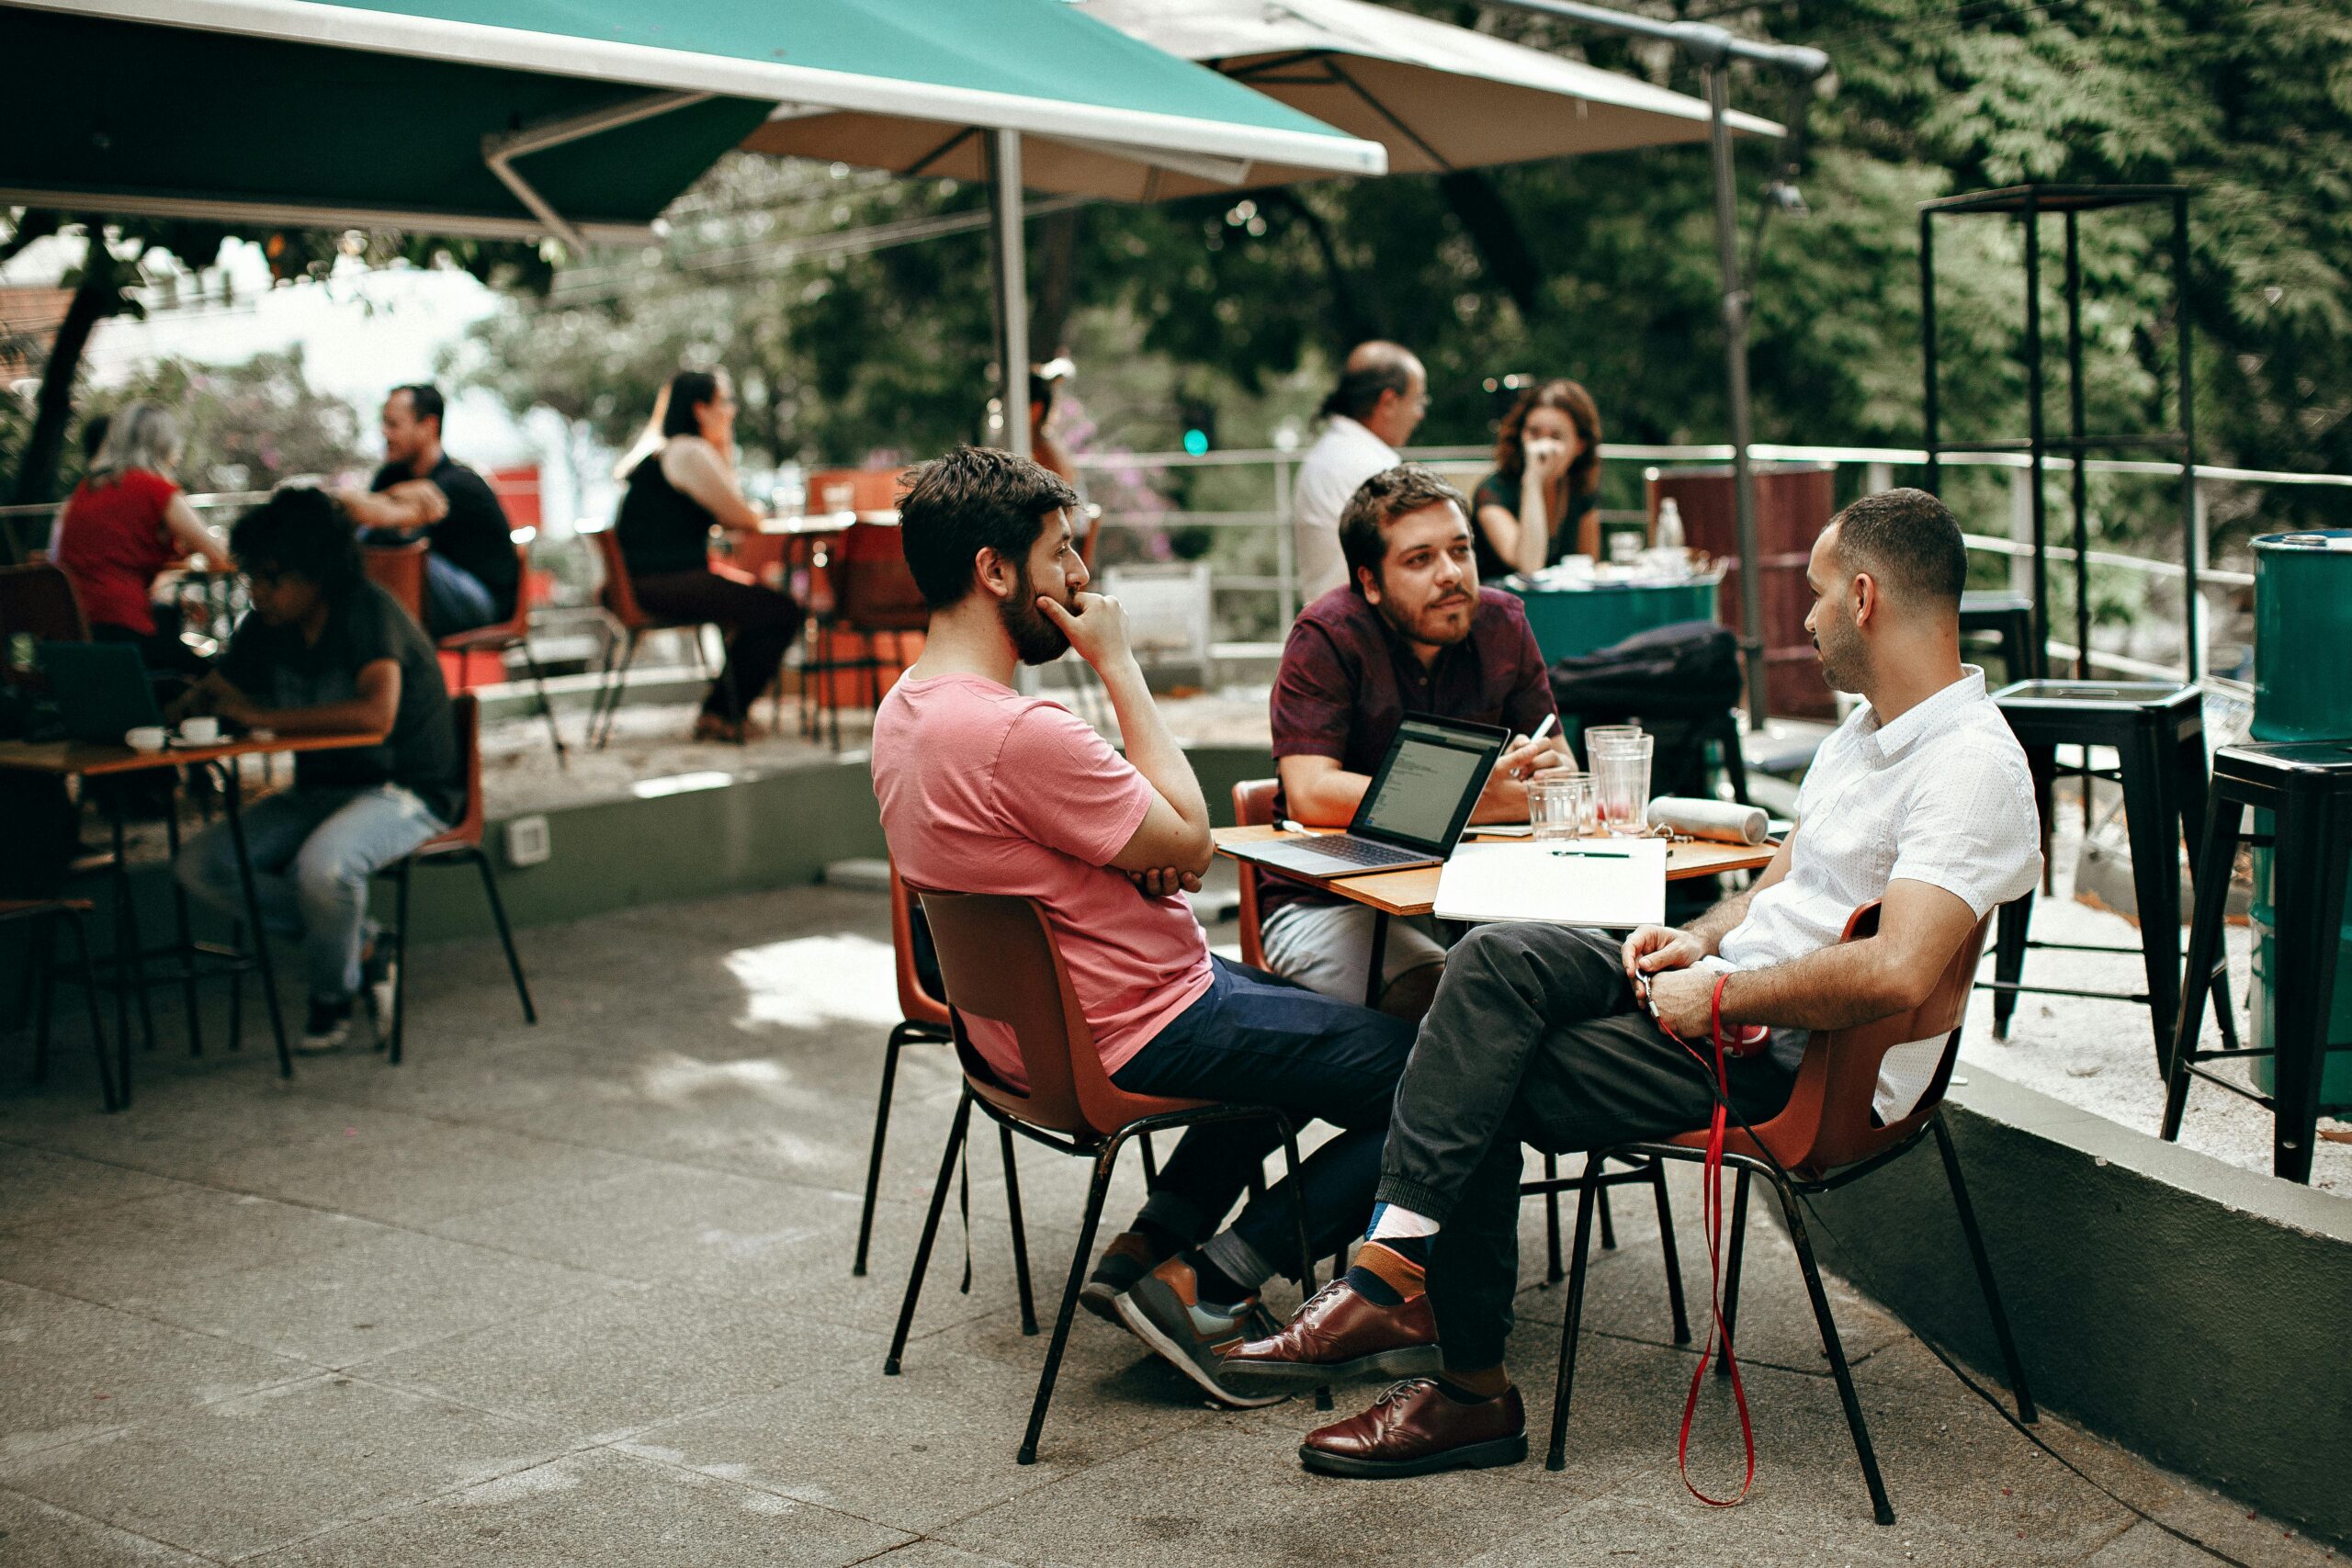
x,y
2146,1546
935,1554
127,1253
601,1507
175,1126
391,1291
932,1444
33,1533
75,1370
612,1363
242,1475
405,1170
38,1185
1230,1494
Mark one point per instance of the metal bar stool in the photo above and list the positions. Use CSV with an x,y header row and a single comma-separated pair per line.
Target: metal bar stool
x,y
2157,730
2307,788
2008,619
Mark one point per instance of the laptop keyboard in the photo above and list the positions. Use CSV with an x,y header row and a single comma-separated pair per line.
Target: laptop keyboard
x,y
1361,851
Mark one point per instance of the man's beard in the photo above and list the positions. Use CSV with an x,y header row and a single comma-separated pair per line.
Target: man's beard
x,y
1844,667
1034,639
1413,630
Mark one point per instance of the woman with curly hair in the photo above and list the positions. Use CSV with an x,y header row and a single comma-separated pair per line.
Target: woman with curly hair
x,y
1538,503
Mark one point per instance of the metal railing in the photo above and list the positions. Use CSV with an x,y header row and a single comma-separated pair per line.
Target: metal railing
x,y
1878,465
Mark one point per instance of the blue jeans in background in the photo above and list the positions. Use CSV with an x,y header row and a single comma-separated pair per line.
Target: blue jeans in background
x,y
455,599
313,851
1252,1039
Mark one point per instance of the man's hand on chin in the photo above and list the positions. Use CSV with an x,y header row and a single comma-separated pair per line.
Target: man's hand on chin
x,y
1683,1001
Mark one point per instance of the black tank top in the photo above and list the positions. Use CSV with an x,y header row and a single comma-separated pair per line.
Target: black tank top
x,y
661,528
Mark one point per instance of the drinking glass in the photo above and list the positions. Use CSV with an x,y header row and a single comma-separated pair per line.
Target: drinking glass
x,y
1621,778
1561,807
1601,734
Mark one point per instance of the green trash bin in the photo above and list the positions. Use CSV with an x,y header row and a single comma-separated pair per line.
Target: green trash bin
x,y
2302,691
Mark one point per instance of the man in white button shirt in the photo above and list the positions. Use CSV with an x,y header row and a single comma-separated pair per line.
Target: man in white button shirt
x,y
1552,1037
1380,399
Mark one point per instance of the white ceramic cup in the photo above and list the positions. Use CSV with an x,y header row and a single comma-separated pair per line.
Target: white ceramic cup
x,y
144,738
200,730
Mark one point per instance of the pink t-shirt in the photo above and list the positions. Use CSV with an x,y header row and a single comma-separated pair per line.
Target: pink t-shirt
x,y
986,791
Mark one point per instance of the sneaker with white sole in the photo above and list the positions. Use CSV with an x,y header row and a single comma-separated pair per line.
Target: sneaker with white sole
x,y
328,1026
1163,1308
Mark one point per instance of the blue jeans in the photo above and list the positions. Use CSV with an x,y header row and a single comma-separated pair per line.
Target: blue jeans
x,y
455,599
313,851
1253,1039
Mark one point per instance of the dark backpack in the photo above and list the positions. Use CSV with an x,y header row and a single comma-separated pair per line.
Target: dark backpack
x,y
1678,681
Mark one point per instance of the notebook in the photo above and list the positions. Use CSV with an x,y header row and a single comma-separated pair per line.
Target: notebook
x,y
1582,882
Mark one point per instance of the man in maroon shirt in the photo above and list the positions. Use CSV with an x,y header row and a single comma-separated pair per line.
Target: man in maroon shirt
x,y
1411,632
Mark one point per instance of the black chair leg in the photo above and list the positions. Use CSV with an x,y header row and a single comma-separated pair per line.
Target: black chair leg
x,y
1731,1267
180,921
930,1233
1670,1252
616,688
1579,1260
1020,1234
874,1160
1881,1509
1552,1272
2010,929
505,934
41,971
546,707
1305,1242
399,958
2026,1412
2222,824
1150,1165
108,1097
1096,1191
1608,1229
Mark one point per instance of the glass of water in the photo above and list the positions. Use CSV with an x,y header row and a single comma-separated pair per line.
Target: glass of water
x,y
1561,807
1621,769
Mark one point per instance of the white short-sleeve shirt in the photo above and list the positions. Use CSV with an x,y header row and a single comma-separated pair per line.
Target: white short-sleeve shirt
x,y
1342,458
1940,795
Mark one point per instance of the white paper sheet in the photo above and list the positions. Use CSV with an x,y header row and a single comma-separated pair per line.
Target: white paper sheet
x,y
1585,881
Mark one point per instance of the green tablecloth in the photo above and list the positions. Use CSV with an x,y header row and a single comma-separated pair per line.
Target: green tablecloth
x,y
1572,621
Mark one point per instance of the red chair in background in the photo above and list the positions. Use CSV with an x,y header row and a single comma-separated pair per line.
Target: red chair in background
x,y
398,570
874,596
38,602
620,600
511,633
1825,1136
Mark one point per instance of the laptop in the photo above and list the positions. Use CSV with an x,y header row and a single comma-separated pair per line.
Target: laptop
x,y
100,689
1420,797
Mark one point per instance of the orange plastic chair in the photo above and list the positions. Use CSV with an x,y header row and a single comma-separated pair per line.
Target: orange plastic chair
x,y
460,845
923,1020
398,570
620,600
1253,807
999,961
513,632
1823,1139
874,596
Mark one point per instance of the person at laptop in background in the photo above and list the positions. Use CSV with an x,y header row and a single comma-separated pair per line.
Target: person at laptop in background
x,y
325,651
984,790
1547,1035
1410,632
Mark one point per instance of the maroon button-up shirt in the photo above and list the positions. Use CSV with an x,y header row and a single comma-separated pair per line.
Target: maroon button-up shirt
x,y
1348,679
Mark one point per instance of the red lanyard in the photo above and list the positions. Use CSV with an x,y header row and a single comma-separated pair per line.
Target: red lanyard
x,y
1742,1042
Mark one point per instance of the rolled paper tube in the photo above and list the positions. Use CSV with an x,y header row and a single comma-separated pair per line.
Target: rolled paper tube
x,y
1724,821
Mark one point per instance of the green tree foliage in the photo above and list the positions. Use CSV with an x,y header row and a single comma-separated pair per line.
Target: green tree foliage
x,y
248,426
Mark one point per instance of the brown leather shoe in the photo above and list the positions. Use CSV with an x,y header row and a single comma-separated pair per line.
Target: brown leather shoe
x,y
1417,1428
1338,1334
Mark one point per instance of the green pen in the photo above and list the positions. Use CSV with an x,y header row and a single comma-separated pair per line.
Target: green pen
x,y
1599,854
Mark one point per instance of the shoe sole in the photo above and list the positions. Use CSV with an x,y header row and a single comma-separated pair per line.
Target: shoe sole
x,y
1139,1324
1491,1455
1102,1299
1412,1361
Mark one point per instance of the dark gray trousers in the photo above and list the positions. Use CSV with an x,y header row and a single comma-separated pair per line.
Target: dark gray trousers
x,y
1534,1038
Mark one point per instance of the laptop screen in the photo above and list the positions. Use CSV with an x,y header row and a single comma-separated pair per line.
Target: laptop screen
x,y
1432,774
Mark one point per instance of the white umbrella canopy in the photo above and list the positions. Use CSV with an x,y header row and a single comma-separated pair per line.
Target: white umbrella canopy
x,y
1437,97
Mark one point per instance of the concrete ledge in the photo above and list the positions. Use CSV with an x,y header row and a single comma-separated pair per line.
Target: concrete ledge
x,y
2194,1312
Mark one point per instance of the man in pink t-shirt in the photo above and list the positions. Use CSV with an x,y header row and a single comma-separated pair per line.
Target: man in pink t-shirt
x,y
984,790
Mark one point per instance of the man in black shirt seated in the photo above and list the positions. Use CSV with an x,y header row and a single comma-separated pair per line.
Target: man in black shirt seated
x,y
470,577
326,651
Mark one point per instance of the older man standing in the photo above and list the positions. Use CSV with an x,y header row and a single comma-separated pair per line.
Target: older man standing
x,y
1380,399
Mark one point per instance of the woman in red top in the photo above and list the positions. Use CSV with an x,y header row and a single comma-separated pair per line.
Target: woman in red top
x,y
124,524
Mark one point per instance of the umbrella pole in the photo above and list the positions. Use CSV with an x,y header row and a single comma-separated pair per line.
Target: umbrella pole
x,y
1751,587
1009,257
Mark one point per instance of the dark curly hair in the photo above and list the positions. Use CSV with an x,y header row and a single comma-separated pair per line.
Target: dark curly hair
x,y
1570,399
975,497
300,532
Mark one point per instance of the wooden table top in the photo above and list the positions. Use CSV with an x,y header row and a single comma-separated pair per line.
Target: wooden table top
x,y
820,522
1414,892
90,757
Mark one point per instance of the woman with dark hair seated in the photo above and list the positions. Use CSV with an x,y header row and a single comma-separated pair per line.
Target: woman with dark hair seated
x,y
325,651
682,487
1537,505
